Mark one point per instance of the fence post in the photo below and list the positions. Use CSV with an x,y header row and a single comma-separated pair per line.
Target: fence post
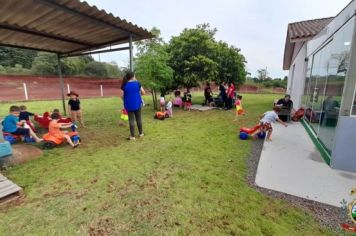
x,y
68,88
25,90
101,90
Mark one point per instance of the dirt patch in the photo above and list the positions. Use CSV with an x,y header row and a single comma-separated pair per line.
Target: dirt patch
x,y
102,227
328,216
23,153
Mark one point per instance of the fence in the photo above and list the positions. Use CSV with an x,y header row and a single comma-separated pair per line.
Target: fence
x,y
15,88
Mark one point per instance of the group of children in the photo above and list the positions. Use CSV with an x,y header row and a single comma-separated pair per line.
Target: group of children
x,y
18,122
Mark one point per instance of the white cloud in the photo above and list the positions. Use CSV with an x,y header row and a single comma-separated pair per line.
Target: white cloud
x,y
257,27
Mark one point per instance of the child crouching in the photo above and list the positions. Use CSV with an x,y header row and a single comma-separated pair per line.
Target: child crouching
x,y
267,119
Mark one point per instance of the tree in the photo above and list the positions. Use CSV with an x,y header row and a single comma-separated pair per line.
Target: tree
x,y
262,74
231,64
95,68
9,57
192,56
152,68
45,64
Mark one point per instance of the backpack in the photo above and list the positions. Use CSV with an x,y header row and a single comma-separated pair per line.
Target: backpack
x,y
298,115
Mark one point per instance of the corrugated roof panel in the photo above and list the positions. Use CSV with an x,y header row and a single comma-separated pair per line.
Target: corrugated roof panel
x,y
63,26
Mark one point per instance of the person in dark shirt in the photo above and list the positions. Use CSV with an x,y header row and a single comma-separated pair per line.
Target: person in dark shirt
x,y
25,115
74,108
207,94
286,104
223,94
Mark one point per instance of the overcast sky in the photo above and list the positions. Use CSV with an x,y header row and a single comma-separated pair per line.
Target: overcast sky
x,y
257,27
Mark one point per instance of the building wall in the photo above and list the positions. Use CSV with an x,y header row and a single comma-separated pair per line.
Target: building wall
x,y
296,77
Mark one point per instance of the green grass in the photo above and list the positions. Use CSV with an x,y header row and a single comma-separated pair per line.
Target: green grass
x,y
185,177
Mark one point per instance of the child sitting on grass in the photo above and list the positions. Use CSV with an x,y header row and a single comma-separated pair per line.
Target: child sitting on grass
x,y
54,129
12,125
25,115
266,122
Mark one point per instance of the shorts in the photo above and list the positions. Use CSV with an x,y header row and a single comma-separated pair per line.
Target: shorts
x,y
266,127
21,131
188,104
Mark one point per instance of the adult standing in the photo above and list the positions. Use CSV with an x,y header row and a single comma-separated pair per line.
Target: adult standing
x,y
230,95
223,94
207,94
133,102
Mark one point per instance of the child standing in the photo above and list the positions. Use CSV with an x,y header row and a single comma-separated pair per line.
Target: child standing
x,y
12,125
238,104
25,115
169,108
162,102
187,98
54,129
267,119
74,108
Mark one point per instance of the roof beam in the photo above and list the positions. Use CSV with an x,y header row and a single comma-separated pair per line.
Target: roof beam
x,y
97,46
99,22
41,34
96,52
29,48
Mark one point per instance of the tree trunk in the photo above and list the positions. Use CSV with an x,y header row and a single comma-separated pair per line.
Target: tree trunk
x,y
154,100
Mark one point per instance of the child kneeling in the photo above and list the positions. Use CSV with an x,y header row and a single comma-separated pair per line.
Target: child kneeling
x,y
54,129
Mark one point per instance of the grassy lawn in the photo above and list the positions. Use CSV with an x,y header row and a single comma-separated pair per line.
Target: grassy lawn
x,y
185,177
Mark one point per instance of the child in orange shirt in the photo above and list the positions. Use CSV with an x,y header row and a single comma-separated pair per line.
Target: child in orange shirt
x,y
54,129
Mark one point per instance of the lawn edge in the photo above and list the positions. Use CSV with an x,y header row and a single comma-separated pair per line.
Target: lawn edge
x,y
328,216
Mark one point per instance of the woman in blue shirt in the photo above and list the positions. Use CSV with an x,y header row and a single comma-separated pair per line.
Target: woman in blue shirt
x,y
132,102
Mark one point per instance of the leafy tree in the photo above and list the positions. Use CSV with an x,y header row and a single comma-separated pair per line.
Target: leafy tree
x,y
45,64
231,64
192,56
113,70
10,57
95,68
152,67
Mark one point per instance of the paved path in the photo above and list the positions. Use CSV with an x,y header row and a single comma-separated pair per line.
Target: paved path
x,y
292,164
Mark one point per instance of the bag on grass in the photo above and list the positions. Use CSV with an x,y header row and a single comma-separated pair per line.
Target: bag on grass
x,y
124,115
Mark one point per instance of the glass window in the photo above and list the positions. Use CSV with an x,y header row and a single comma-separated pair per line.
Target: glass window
x,y
324,87
353,112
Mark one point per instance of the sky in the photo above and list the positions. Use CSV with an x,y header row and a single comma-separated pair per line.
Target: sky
x,y
257,27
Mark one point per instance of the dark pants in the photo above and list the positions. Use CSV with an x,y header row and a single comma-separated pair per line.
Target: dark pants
x,y
229,103
135,115
224,99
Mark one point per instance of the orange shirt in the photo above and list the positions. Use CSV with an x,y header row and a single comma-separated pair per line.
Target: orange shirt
x,y
54,129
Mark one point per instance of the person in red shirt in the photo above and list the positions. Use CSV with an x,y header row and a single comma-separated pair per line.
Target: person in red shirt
x,y
230,95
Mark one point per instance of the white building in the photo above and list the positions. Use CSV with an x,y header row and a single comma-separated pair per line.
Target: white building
x,y
321,58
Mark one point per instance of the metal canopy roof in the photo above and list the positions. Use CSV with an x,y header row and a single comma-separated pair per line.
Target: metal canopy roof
x,y
65,27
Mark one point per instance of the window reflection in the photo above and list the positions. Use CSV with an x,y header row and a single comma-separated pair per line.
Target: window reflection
x,y
323,90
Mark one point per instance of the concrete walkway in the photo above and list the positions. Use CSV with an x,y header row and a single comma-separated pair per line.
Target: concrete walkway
x,y
291,164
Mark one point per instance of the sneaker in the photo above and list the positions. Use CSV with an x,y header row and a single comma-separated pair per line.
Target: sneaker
x,y
131,138
141,135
